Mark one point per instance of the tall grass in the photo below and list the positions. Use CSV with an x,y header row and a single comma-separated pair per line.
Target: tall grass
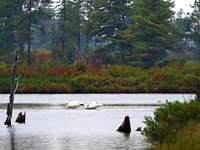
x,y
185,139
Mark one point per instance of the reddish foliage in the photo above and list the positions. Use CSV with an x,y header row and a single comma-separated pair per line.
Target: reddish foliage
x,y
93,70
22,70
9,70
159,76
31,72
44,88
62,71
41,57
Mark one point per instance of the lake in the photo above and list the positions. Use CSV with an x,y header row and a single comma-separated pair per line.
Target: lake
x,y
49,125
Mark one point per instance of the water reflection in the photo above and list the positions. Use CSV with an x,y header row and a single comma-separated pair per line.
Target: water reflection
x,y
58,129
127,135
11,130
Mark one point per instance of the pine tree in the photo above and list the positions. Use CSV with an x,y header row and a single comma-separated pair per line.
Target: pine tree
x,y
106,19
9,10
152,33
195,23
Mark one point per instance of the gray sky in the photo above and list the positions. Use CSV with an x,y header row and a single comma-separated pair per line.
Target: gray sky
x,y
185,4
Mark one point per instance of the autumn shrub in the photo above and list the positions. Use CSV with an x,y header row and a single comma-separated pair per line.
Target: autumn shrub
x,y
121,71
92,70
43,69
26,71
158,76
42,57
170,118
80,65
44,88
22,70
62,71
103,84
9,70
80,77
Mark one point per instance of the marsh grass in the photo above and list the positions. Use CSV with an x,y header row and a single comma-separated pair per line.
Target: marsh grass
x,y
185,139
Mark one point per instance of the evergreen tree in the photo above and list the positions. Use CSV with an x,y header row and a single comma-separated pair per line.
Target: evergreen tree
x,y
195,23
33,9
152,33
9,15
66,32
104,22
182,24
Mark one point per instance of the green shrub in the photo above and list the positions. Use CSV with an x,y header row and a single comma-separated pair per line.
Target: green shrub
x,y
2,69
187,138
75,82
26,71
170,118
5,85
80,65
192,68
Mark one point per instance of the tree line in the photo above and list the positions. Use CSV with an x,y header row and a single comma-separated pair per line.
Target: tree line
x,y
138,33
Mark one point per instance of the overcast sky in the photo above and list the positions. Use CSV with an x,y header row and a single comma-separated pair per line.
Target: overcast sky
x,y
185,4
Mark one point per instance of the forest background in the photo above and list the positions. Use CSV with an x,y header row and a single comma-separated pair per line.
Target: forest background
x,y
100,46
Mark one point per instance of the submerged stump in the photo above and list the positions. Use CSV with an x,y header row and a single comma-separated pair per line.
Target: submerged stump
x,y
21,118
139,129
125,127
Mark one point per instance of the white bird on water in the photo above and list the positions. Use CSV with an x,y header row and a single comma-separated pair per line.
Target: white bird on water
x,y
92,105
73,104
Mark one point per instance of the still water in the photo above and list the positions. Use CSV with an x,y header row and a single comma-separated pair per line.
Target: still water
x,y
53,127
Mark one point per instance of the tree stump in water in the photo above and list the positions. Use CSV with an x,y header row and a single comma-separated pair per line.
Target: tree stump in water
x,y
138,129
13,89
21,118
125,127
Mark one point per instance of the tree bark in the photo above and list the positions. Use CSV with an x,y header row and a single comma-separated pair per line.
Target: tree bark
x,y
13,89
29,32
21,118
125,127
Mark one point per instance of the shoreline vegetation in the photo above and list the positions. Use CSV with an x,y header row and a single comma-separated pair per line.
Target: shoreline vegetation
x,y
175,126
176,77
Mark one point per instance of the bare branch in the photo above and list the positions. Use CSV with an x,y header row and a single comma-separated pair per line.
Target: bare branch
x,y
17,78
16,87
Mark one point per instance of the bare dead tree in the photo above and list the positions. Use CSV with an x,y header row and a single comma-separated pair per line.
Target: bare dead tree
x,y
13,90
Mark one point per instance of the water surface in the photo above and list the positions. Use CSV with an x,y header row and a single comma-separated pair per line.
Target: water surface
x,y
53,127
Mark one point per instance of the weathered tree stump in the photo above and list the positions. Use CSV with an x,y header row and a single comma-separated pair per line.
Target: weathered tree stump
x,y
138,129
13,89
21,118
125,127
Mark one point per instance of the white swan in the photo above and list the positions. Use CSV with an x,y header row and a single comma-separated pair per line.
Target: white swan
x,y
92,105
73,104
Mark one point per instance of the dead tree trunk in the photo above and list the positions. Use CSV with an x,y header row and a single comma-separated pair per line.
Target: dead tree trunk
x,y
13,89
